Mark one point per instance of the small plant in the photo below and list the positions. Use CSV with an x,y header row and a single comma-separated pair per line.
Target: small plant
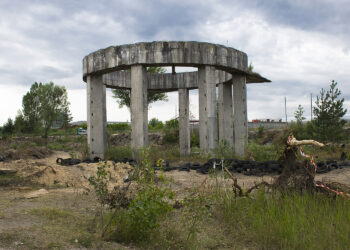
x,y
147,208
100,181
260,131
196,209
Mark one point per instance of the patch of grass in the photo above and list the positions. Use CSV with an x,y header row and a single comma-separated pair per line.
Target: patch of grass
x,y
55,146
72,228
6,238
264,152
290,221
118,152
12,180
53,213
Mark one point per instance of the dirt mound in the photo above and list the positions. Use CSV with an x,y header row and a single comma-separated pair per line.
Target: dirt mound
x,y
48,173
25,153
74,176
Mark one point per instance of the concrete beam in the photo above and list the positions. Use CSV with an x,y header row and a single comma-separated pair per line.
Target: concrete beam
x,y
96,116
184,122
207,108
168,81
225,113
240,114
138,99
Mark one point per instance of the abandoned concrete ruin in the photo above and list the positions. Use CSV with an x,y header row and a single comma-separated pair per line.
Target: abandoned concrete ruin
x,y
125,67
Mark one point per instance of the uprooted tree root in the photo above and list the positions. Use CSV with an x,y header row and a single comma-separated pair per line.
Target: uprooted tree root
x,y
295,176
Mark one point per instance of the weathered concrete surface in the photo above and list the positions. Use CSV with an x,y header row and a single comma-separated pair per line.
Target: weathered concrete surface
x,y
225,114
216,64
240,114
184,122
169,81
138,98
165,53
96,119
207,108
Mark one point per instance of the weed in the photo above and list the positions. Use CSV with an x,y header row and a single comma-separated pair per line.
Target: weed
x,y
118,152
12,180
264,152
196,209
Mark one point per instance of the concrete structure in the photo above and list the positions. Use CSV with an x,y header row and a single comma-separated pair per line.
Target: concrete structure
x,y
125,67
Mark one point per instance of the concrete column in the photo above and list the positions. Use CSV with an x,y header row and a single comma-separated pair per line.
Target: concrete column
x,y
184,122
240,114
225,113
207,107
96,116
138,99
145,115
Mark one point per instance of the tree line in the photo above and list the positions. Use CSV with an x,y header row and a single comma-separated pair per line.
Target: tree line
x,y
47,103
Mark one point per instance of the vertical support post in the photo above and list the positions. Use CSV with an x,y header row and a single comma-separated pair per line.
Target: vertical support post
x,y
145,114
184,122
207,107
138,107
225,112
96,116
240,114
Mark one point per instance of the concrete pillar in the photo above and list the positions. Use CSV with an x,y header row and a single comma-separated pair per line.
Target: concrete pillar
x,y
184,122
240,114
138,99
225,113
207,107
96,116
145,116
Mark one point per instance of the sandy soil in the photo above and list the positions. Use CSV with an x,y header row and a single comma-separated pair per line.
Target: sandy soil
x,y
48,173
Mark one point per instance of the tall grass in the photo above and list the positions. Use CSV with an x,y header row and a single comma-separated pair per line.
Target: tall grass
x,y
265,221
290,221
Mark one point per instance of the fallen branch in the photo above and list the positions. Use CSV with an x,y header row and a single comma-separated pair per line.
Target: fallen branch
x,y
241,192
295,142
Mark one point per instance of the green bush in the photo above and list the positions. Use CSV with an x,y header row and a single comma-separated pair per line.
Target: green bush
x,y
171,135
118,152
146,209
260,131
155,124
172,124
264,152
194,139
119,126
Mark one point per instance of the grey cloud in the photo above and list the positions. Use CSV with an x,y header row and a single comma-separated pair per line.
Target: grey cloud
x,y
323,16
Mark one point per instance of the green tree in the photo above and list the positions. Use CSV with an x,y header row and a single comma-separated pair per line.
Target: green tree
x,y
123,95
8,127
44,104
21,125
298,115
31,108
328,113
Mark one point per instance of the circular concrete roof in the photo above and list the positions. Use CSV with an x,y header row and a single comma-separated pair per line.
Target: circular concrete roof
x,y
191,54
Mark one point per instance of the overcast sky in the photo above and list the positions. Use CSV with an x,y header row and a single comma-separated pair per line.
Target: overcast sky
x,y
301,45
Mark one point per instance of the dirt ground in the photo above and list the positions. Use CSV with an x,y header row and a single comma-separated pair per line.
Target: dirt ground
x,y
35,216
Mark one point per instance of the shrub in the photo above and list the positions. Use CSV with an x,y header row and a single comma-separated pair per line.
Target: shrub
x,y
118,152
264,152
194,139
119,126
172,124
155,124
